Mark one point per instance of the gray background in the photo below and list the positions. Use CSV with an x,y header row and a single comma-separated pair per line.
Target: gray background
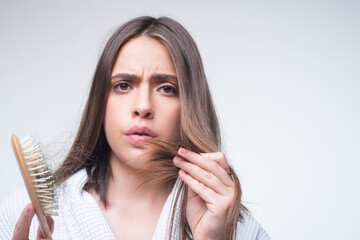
x,y
284,76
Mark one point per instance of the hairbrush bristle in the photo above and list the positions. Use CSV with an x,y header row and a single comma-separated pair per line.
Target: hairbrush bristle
x,y
41,175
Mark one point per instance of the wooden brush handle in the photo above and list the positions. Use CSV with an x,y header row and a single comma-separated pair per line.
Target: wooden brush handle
x,y
30,187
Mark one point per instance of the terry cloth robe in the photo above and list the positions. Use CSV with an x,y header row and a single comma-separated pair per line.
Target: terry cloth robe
x,y
81,218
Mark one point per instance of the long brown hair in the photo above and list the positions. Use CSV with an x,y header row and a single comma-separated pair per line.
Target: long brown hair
x,y
199,130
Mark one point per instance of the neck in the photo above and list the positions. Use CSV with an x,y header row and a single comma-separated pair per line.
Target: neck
x,y
125,186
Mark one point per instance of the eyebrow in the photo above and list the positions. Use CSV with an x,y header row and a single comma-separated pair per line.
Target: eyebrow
x,y
160,76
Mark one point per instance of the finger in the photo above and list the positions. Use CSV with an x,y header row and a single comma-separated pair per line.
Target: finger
x,y
219,158
208,195
50,222
210,165
202,176
22,226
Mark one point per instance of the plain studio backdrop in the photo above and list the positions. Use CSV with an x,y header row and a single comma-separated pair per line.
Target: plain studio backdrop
x,y
284,77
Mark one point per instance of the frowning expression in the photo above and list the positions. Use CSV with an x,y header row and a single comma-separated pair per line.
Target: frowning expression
x,y
144,101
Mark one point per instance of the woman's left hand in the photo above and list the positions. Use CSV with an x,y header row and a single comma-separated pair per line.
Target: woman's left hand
x,y
210,192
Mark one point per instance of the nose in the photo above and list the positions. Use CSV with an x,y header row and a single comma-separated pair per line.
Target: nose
x,y
142,106
143,113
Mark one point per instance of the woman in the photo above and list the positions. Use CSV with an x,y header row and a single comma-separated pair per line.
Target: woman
x,y
149,121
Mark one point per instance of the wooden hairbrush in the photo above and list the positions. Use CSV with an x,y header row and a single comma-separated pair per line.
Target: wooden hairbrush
x,y
38,180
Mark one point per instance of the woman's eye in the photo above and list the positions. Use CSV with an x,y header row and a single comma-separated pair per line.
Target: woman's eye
x,y
170,90
122,87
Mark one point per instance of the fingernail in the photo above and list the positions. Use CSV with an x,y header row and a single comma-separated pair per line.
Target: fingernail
x,y
183,150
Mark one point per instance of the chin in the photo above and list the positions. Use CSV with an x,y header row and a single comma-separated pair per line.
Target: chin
x,y
133,157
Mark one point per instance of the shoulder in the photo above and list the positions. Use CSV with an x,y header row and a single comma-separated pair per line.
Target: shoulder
x,y
250,229
70,190
74,184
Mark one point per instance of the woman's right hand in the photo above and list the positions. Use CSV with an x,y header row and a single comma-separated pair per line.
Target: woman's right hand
x,y
22,227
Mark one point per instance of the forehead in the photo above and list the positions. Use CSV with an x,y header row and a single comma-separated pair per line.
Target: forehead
x,y
143,53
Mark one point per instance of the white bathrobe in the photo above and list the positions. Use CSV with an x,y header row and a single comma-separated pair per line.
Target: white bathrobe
x,y
81,218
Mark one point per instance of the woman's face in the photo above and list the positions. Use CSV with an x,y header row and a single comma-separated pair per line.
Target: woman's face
x,y
143,102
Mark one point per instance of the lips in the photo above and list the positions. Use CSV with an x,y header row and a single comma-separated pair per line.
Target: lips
x,y
137,134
